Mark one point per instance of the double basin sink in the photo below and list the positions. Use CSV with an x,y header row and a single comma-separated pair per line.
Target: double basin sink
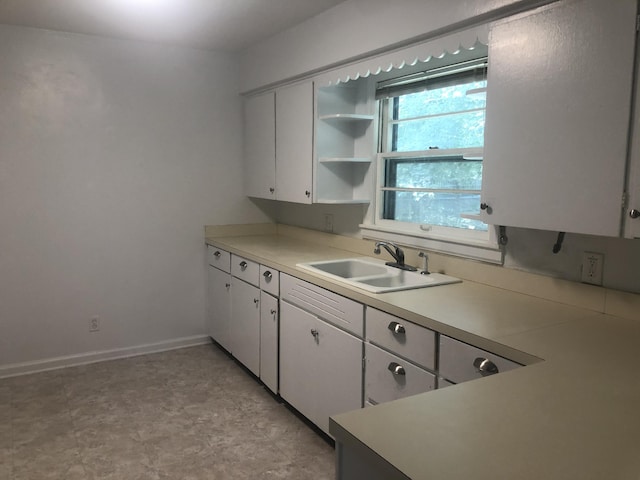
x,y
375,276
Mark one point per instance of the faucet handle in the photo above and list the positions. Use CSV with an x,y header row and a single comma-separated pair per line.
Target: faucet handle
x,y
425,263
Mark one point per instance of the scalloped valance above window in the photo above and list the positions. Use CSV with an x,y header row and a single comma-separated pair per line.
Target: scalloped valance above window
x,y
461,43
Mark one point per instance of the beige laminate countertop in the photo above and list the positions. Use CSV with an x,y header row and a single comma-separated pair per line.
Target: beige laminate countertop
x,y
573,415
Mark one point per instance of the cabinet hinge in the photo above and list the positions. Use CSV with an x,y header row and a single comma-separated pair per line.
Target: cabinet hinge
x,y
364,364
637,23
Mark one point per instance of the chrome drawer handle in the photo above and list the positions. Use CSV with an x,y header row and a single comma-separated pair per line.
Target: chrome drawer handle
x,y
268,275
243,266
396,369
396,328
485,367
217,254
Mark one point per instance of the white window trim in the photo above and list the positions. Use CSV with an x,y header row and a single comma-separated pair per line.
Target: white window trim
x,y
472,244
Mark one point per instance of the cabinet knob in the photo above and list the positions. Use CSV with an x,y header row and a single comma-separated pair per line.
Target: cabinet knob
x,y
217,254
396,328
485,367
227,285
273,311
486,207
243,266
256,300
634,213
271,189
307,193
267,275
396,369
314,333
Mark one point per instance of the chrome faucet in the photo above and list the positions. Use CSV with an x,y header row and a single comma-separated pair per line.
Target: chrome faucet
x,y
397,254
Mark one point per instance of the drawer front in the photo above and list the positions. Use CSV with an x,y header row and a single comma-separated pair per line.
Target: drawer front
x,y
270,280
388,377
457,361
245,270
331,307
403,338
219,258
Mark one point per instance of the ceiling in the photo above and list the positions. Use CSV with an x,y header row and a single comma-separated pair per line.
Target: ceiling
x,y
227,25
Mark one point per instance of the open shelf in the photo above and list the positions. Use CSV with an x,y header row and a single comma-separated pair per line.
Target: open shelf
x,y
344,160
341,202
349,117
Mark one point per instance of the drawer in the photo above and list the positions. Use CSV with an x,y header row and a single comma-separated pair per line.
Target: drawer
x,y
331,307
457,361
404,339
388,377
219,258
270,280
245,270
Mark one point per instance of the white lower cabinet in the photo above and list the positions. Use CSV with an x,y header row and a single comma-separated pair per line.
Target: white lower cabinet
x,y
269,341
398,354
219,298
461,362
320,366
245,324
388,377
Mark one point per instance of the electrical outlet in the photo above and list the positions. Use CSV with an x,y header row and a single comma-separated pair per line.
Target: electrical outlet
x,y
592,265
94,324
328,222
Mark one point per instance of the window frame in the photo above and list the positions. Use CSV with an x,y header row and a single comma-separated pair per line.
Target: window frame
x,y
478,244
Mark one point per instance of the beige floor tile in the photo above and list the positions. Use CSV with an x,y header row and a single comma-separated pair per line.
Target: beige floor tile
x,y
192,413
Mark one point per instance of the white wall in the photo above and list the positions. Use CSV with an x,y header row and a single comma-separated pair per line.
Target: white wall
x,y
113,156
359,27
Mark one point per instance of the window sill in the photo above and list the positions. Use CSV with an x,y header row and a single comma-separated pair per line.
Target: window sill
x,y
483,251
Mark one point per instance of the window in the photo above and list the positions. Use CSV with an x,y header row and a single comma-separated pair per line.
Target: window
x,y
430,160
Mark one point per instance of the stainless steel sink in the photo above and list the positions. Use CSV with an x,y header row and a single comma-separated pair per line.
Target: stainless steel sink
x,y
374,276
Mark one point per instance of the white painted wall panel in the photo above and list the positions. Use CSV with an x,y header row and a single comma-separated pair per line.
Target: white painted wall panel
x,y
355,28
113,155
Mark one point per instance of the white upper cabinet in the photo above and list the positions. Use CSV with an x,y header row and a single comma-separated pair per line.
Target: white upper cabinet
x,y
632,210
278,144
558,109
260,146
294,143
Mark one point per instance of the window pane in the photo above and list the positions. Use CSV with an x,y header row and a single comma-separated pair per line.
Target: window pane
x,y
461,130
441,100
428,208
449,174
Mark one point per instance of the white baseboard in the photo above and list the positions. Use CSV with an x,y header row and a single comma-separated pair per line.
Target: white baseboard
x,y
14,369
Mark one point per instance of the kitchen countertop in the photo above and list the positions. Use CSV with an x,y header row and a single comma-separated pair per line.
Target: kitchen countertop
x,y
571,413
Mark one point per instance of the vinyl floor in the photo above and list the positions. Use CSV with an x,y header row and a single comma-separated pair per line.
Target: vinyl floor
x,y
189,414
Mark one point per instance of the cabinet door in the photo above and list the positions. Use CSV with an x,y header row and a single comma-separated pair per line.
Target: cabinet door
x,y
245,324
260,146
294,143
339,374
558,105
219,314
320,366
298,359
632,213
269,341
